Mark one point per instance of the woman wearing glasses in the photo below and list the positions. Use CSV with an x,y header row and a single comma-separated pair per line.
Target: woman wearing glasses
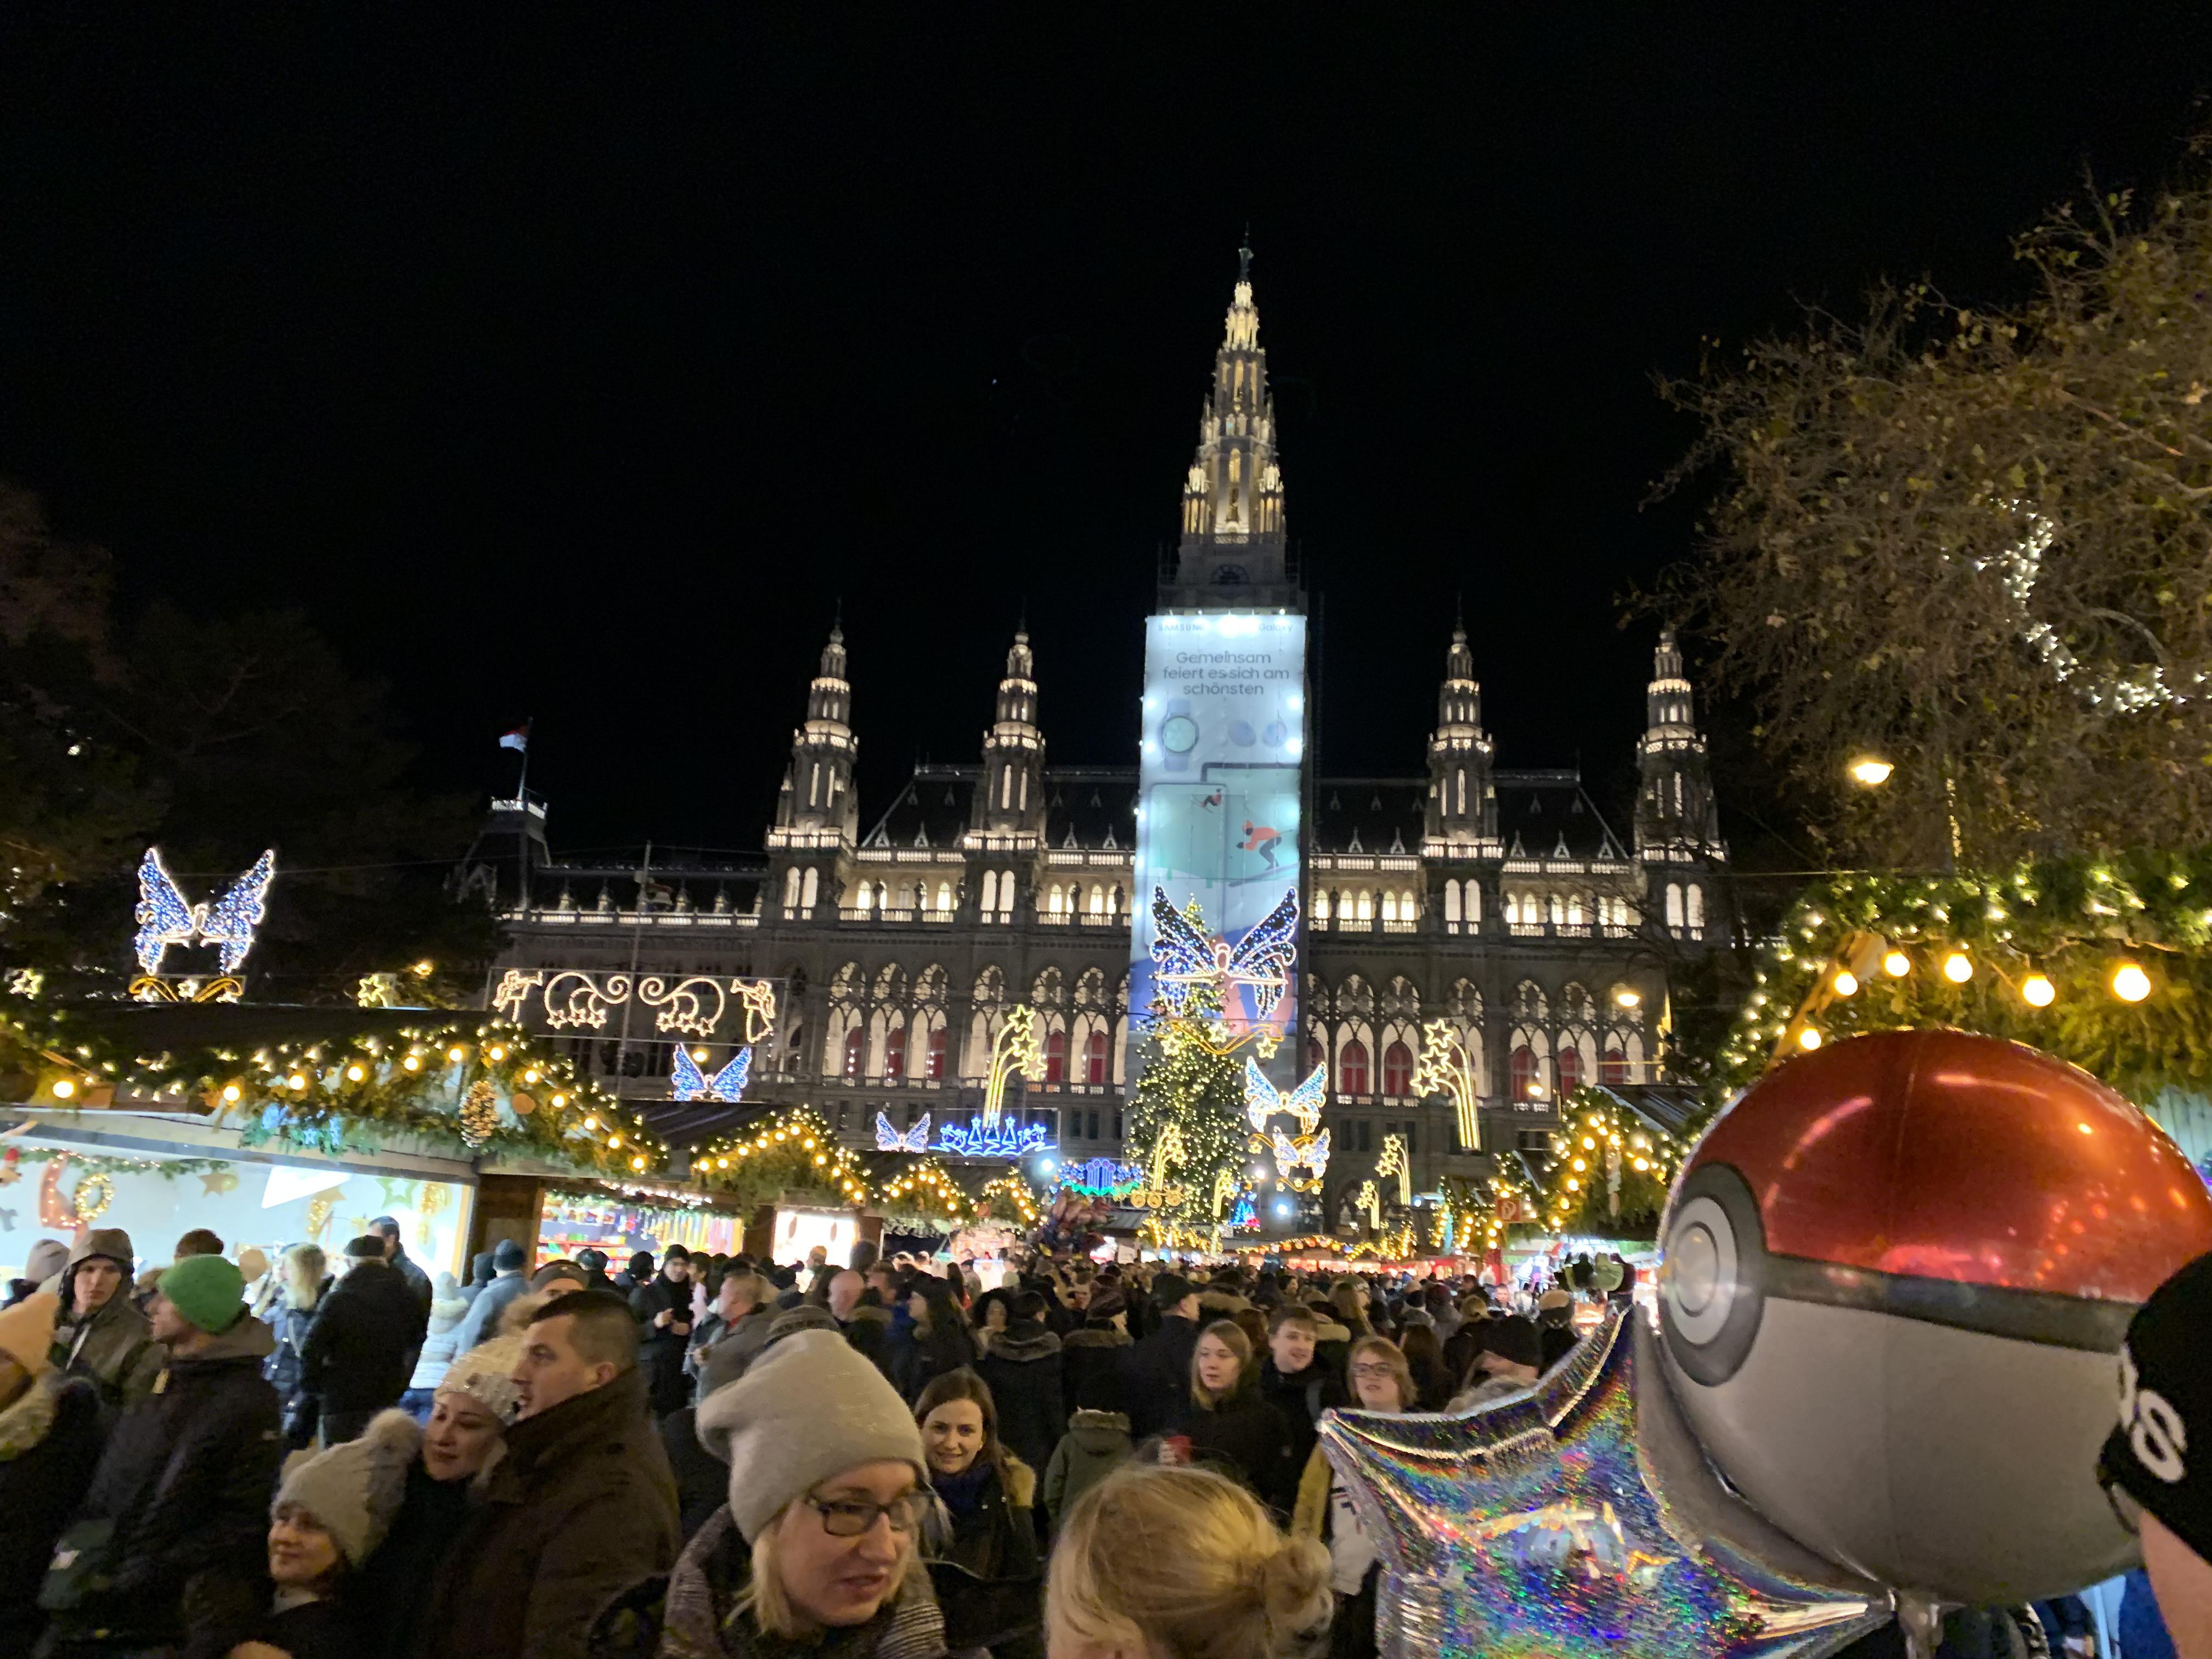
x,y
818,1542
1381,1382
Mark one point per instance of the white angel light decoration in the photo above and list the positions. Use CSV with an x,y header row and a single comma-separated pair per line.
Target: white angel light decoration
x,y
228,922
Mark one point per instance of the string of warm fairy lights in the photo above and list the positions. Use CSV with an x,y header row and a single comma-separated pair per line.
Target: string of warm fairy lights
x,y
927,1189
792,1149
1607,1163
415,1079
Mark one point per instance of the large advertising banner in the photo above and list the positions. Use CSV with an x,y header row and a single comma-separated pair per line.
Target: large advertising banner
x,y
1221,789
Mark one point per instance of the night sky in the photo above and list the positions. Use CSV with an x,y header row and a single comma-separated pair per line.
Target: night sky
x,y
560,370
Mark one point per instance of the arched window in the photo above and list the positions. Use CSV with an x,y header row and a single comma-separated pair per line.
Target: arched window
x,y
1473,903
1570,1071
1095,1057
1316,1056
1459,808
894,1052
1390,906
1527,1081
1613,1069
937,1048
990,892
1697,897
1451,900
1675,905
1055,1057
1397,1070
1320,904
867,897
1351,1068
944,896
855,1050
812,889
1366,905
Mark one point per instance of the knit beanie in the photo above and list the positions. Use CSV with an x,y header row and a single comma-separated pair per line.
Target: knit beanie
x,y
47,1257
2160,1454
353,1490
805,1317
508,1257
486,1374
805,1412
207,1290
27,1330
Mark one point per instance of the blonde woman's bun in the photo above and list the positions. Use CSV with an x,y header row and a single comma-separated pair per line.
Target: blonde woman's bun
x,y
1185,1564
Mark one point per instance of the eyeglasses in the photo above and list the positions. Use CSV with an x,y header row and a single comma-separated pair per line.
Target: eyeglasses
x,y
849,1517
1373,1370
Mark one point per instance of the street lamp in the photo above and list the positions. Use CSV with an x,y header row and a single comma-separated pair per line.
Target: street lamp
x,y
1870,771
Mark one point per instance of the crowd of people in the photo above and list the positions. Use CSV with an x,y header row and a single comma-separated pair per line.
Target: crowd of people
x,y
703,1457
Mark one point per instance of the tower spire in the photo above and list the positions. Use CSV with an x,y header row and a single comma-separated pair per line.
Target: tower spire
x,y
1463,796
1234,553
817,788
1675,812
1011,798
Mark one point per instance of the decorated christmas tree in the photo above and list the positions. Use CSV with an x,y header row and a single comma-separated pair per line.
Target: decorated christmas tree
x,y
1188,1123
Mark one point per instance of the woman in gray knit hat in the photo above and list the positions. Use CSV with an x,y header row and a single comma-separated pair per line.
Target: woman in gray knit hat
x,y
820,1542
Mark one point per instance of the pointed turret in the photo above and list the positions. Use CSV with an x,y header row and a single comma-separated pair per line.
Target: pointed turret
x,y
1463,798
1012,799
817,796
1233,551
1677,817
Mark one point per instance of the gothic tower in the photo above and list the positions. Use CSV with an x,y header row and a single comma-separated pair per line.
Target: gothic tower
x,y
817,790
1233,551
1676,818
1011,801
1462,799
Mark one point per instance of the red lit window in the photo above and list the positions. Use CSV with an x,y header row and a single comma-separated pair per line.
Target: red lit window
x,y
1055,1057
1094,1058
1613,1070
856,1043
936,1053
1570,1071
1316,1055
1397,1070
1351,1068
1527,1080
895,1053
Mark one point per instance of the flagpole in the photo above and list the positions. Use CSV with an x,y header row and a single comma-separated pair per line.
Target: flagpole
x,y
522,783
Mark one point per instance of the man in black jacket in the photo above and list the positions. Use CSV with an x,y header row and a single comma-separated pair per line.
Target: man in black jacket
x,y
1157,1369
396,1256
663,1307
1022,1363
183,1482
1294,1382
359,1351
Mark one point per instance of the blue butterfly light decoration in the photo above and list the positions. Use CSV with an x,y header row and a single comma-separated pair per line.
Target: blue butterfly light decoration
x,y
889,1140
1262,1100
229,923
687,1082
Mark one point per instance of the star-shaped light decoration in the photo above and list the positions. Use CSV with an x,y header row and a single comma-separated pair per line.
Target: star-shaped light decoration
x,y
1530,1529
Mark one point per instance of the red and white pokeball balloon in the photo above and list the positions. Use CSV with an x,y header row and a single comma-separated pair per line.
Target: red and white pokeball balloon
x,y
1896,1273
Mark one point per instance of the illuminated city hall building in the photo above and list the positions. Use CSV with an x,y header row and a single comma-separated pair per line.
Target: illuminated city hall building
x,y
1498,902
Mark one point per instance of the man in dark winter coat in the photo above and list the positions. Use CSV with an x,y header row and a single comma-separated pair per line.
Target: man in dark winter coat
x,y
594,1264
481,1323
1022,1363
49,1447
663,1307
1092,1359
396,1257
749,1312
1157,1370
184,1482
581,1508
359,1351
1294,1382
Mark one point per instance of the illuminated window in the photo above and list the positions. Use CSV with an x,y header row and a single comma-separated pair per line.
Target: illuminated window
x,y
895,1053
1397,1070
937,1047
1095,1058
1674,905
1570,1070
1613,1069
856,1043
1527,1079
1697,897
1351,1068
1055,1057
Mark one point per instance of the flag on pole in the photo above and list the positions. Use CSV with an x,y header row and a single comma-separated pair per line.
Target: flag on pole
x,y
518,739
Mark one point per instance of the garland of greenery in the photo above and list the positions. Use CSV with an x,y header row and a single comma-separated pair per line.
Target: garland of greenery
x,y
922,1197
2067,927
789,1153
336,1093
1596,1133
1011,1199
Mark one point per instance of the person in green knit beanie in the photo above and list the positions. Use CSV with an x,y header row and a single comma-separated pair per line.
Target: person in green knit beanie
x,y
207,1293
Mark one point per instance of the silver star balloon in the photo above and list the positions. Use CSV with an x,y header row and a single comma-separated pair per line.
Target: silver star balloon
x,y
1537,1528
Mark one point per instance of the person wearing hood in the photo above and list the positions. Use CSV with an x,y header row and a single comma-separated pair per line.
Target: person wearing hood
x,y
1096,1444
1023,1365
818,1546
49,1447
331,1512
440,1344
466,1434
179,1501
99,1334
360,1352
481,1322
47,1258
663,1307
581,1507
